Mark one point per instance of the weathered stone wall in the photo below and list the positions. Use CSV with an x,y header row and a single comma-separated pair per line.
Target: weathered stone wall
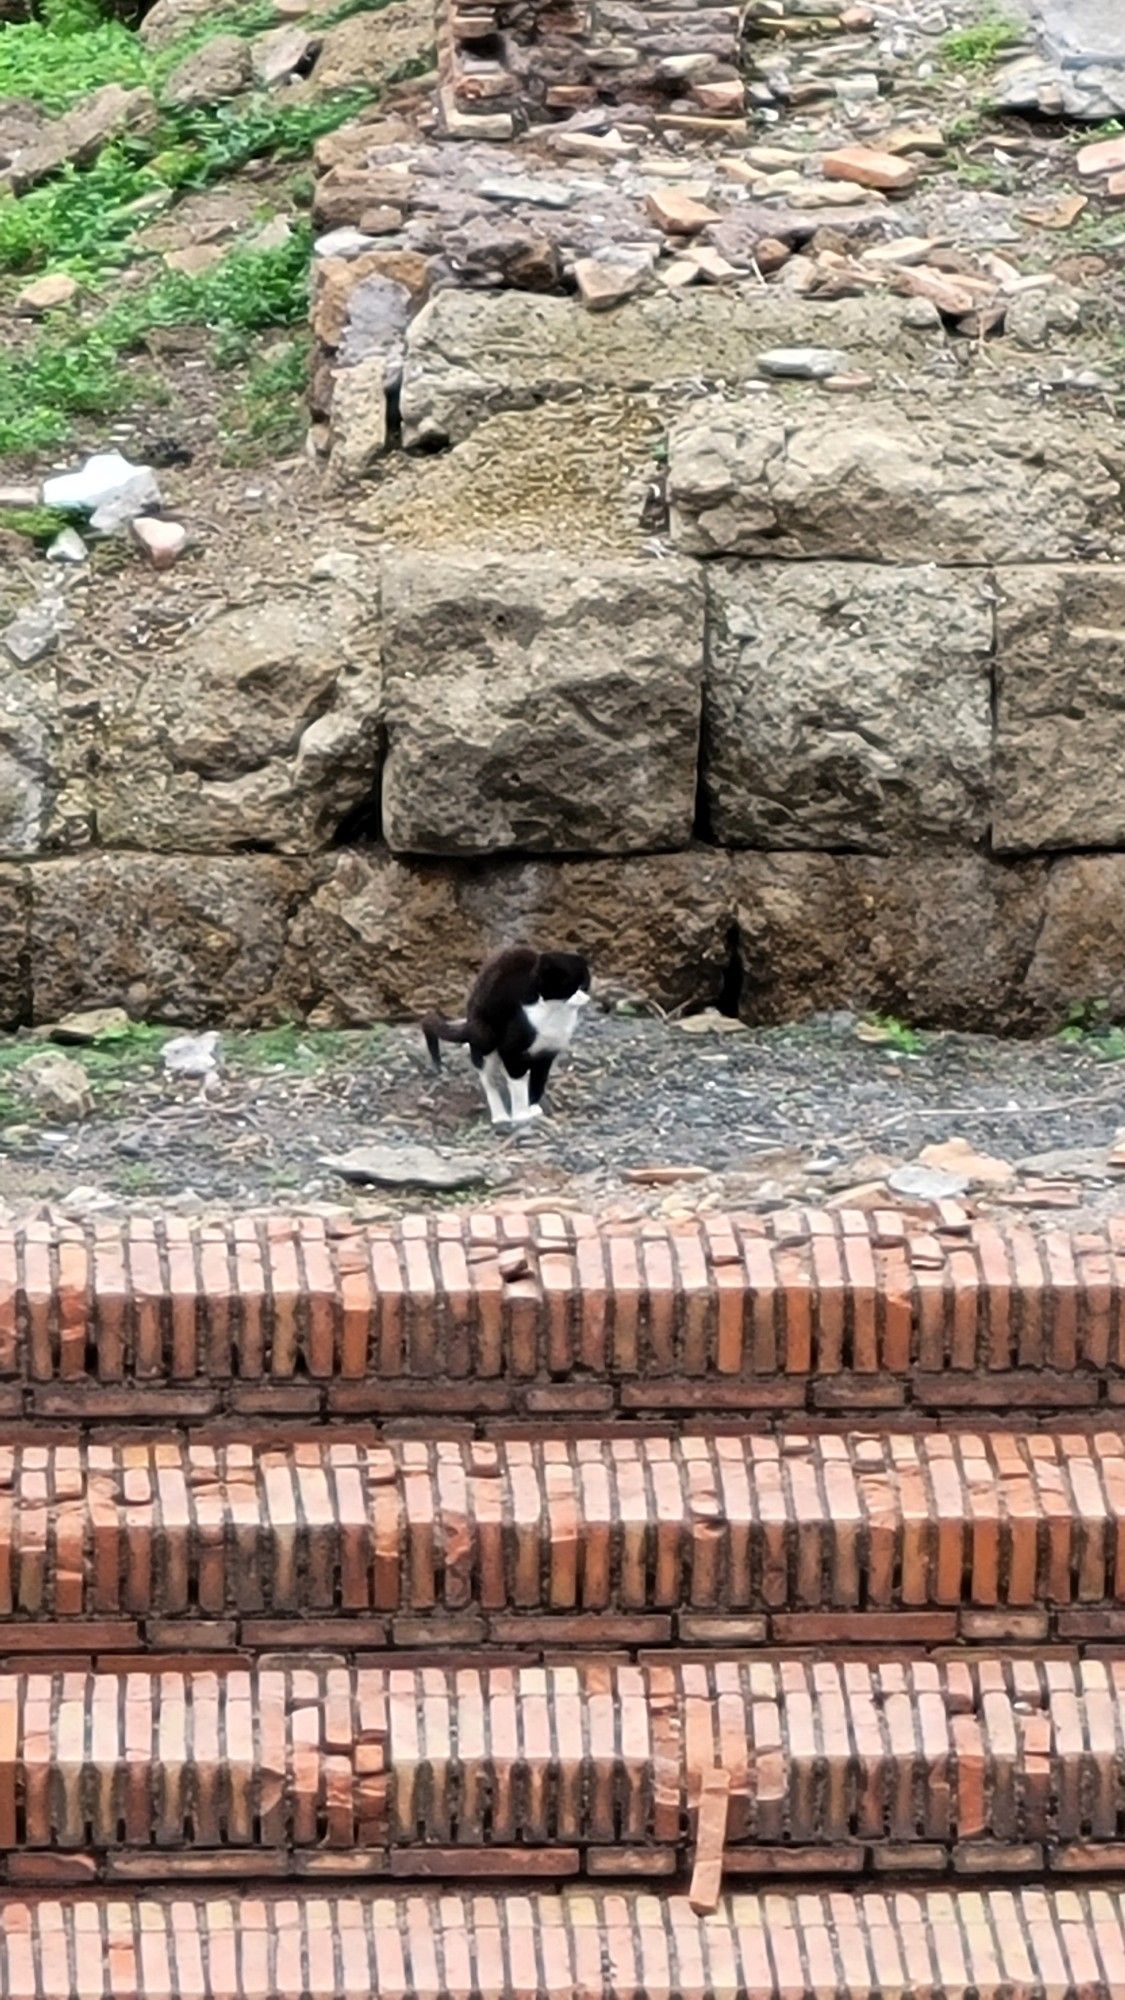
x,y
846,729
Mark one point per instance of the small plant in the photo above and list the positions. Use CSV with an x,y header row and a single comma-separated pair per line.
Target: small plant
x,y
288,1047
266,416
891,1033
977,46
69,373
37,524
1090,1025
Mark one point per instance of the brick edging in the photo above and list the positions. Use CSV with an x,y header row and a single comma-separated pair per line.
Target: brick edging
x,y
553,1316
603,1945
971,1767
744,1540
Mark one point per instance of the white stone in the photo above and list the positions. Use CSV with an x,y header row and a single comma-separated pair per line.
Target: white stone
x,y
99,480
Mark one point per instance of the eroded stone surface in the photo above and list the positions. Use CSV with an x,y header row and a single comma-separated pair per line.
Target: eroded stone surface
x,y
533,706
969,480
1060,717
169,937
847,705
467,355
265,734
384,939
942,938
1079,954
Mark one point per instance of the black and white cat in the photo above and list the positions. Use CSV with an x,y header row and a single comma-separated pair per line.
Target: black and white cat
x,y
522,1013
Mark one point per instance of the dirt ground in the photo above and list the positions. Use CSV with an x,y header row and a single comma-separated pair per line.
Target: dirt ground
x,y
644,1116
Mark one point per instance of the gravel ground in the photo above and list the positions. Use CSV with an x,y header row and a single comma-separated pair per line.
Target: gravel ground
x,y
758,1116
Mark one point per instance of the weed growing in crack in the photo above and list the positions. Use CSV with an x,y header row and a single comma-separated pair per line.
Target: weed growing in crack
x,y
1090,1026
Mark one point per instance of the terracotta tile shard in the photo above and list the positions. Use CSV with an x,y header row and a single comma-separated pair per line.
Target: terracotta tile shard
x,y
677,213
870,168
1104,156
710,1840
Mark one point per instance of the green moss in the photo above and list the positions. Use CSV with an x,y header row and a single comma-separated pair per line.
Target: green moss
x,y
980,44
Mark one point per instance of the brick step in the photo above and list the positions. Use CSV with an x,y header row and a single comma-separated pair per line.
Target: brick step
x,y
964,1767
998,1944
908,1539
552,1315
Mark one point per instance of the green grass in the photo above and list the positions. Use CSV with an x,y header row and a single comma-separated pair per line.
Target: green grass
x,y
37,524
73,371
979,45
265,417
82,220
292,1047
109,1063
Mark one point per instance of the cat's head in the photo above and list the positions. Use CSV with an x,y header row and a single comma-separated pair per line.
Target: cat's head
x,y
563,975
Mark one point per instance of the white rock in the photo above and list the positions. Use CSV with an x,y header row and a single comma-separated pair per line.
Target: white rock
x,y
802,363
192,1055
67,547
343,243
927,1184
133,498
93,484
518,187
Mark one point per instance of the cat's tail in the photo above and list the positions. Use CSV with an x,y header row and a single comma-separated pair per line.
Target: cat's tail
x,y
437,1030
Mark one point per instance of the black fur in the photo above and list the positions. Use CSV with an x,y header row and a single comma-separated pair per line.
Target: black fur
x,y
496,1023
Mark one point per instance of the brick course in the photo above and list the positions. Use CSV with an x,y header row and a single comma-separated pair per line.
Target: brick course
x,y
966,1766
829,1311
1000,1944
596,1541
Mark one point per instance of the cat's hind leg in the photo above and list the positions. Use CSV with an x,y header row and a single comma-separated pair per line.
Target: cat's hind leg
x,y
537,1077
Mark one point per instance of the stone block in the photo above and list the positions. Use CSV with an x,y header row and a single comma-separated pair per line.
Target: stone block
x,y
540,705
1060,711
262,731
15,975
1079,954
386,939
940,940
846,705
44,733
916,479
185,938
468,354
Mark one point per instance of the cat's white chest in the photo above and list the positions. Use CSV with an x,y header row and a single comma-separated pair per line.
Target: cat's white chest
x,y
553,1022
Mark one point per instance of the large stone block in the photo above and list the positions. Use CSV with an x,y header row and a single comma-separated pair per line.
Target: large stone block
x,y
44,744
540,705
388,939
941,940
846,705
262,731
468,354
15,968
1060,712
1079,955
917,479
171,937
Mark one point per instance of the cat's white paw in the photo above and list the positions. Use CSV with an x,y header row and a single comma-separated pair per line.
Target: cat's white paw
x,y
525,1117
